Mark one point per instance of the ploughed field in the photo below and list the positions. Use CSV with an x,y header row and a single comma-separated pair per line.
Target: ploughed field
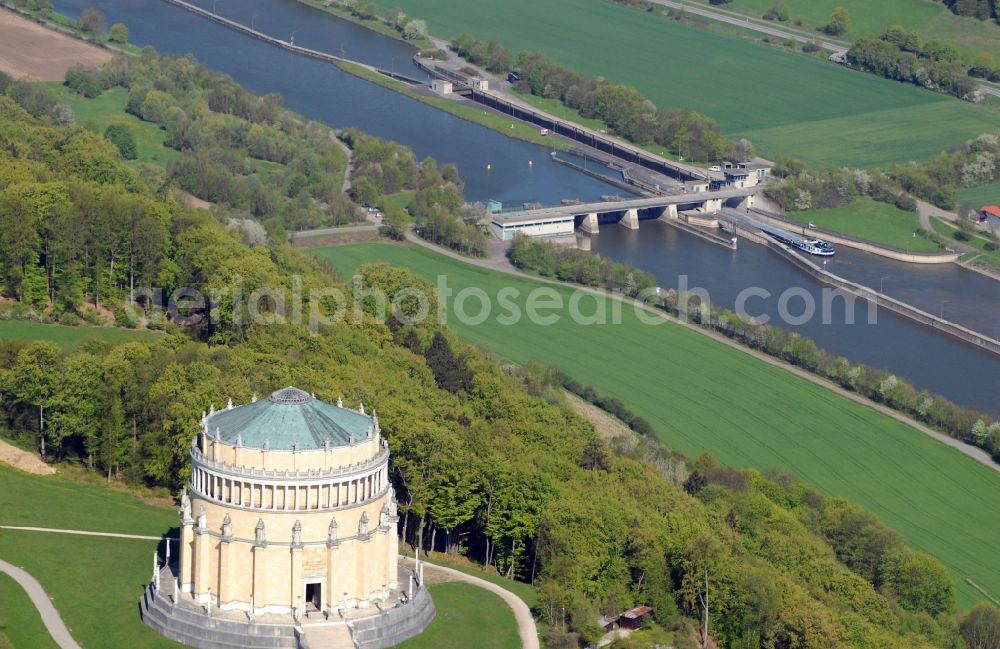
x,y
701,395
787,104
20,55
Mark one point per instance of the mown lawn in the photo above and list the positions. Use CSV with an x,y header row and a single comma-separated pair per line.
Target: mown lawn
x,y
96,582
873,221
109,108
785,103
67,337
20,622
703,396
467,616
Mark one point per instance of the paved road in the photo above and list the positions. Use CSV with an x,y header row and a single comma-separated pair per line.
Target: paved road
x,y
522,614
747,23
50,617
972,452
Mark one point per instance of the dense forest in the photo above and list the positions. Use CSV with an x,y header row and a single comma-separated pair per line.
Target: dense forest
x,y
624,109
488,461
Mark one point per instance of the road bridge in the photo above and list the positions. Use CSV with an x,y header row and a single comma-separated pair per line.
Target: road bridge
x,y
563,220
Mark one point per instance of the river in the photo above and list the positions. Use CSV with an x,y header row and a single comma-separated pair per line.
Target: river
x,y
494,166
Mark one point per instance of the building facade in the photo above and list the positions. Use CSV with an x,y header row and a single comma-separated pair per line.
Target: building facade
x,y
289,508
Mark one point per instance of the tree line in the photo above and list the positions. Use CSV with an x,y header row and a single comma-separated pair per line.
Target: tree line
x,y
570,264
905,56
979,9
960,422
974,162
624,109
437,210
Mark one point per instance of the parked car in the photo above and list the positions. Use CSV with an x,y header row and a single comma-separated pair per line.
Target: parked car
x,y
513,77
715,168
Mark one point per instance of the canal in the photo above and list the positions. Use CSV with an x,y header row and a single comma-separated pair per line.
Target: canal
x,y
494,166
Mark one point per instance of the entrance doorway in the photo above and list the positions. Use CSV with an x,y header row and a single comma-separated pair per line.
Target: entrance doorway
x,y
314,597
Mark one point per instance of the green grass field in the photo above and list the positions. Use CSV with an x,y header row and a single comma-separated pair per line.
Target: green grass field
x,y
981,195
701,395
96,582
932,19
527,592
109,108
784,102
987,258
20,622
873,221
467,616
67,337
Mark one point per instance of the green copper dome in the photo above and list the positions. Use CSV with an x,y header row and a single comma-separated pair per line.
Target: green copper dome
x,y
288,419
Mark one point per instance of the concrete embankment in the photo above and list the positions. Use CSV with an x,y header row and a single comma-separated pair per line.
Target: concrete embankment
x,y
888,252
883,301
285,45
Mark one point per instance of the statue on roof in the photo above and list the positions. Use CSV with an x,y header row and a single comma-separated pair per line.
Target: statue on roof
x,y
202,518
253,398
361,407
211,409
185,510
229,404
259,539
363,525
227,527
331,533
297,534
340,402
239,439
383,516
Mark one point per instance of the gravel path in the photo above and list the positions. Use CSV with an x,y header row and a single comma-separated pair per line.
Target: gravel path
x,y
50,617
522,614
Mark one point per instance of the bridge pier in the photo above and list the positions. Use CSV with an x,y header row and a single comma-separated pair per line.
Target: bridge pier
x,y
589,224
631,219
712,205
669,212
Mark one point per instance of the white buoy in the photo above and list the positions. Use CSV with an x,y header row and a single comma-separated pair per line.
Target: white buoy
x,y
489,167
531,163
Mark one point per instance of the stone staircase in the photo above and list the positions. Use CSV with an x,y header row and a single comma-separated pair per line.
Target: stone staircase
x,y
195,629
335,635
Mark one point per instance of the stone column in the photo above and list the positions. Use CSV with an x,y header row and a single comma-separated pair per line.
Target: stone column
x,y
259,593
225,570
332,592
631,219
296,572
186,552
202,562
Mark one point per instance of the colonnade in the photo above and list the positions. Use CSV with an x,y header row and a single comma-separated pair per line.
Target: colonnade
x,y
293,495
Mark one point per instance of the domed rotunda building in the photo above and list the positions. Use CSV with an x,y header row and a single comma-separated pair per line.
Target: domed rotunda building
x,y
289,513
